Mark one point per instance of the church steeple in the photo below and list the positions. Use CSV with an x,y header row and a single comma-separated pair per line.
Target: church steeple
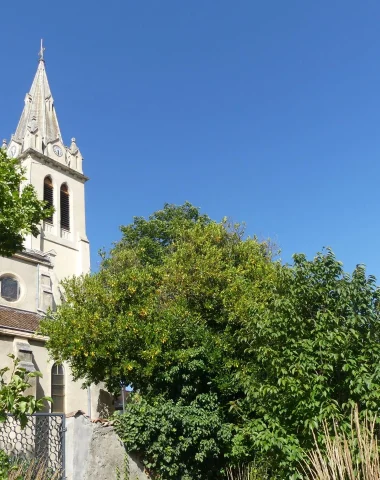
x,y
39,116
38,127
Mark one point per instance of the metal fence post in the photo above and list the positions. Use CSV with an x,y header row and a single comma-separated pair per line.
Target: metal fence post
x,y
64,429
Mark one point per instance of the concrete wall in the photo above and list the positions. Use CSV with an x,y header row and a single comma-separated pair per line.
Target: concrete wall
x,y
94,451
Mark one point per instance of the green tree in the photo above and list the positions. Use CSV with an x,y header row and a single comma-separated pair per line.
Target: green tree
x,y
20,210
198,318
311,355
162,315
162,311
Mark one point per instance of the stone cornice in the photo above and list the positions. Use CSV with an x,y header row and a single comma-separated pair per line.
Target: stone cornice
x,y
22,333
53,163
30,258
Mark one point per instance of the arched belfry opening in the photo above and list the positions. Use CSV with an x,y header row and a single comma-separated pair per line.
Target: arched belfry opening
x,y
49,195
65,207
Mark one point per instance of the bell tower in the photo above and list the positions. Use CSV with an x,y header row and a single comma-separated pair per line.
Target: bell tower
x,y
30,279
55,170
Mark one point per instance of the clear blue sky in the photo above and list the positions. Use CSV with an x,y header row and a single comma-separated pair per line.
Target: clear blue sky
x,y
267,112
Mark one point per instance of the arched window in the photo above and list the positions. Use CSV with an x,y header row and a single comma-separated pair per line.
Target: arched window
x,y
65,207
48,195
58,388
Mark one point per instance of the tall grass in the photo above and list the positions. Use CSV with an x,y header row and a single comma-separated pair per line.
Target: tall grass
x,y
246,472
34,470
346,457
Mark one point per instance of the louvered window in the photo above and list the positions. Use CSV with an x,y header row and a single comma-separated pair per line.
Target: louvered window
x,y
65,207
48,195
58,388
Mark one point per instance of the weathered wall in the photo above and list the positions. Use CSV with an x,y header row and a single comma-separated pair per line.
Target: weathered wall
x,y
75,396
26,274
94,451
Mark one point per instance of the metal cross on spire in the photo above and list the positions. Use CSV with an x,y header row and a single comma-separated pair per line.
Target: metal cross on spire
x,y
42,49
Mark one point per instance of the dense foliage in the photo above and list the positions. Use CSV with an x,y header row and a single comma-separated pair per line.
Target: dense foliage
x,y
20,210
311,354
162,312
198,318
179,440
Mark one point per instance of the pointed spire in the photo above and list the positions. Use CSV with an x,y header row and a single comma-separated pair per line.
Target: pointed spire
x,y
42,49
38,118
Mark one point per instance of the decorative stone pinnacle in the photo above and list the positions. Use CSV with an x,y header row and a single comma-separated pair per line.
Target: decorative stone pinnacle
x,y
73,147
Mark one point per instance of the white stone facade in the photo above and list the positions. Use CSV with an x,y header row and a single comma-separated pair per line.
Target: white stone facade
x,y
30,281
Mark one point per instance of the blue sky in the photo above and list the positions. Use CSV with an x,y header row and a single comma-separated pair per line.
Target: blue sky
x,y
266,112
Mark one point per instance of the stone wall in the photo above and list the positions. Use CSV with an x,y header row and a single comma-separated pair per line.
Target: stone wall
x,y
94,451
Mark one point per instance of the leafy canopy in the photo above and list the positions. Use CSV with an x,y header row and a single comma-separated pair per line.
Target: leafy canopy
x,y
20,210
311,355
162,311
162,315
194,315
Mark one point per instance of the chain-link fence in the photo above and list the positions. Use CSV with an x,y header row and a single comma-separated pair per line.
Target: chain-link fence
x,y
42,440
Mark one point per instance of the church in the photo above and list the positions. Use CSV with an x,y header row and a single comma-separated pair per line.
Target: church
x,y
30,280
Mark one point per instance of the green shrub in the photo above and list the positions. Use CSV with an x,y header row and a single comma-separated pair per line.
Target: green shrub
x,y
5,465
177,441
12,393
